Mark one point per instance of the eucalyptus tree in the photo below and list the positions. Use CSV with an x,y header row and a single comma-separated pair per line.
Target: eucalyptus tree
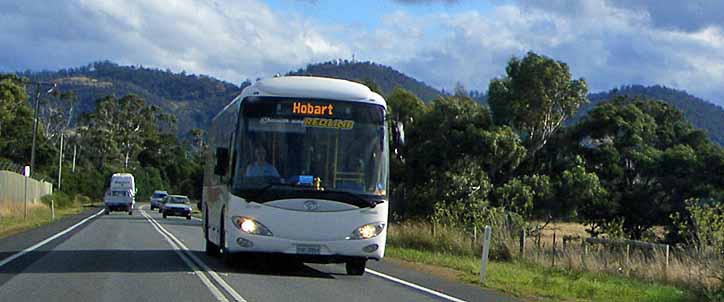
x,y
535,97
648,159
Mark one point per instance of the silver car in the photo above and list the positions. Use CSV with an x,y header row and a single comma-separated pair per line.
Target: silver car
x,y
156,199
176,205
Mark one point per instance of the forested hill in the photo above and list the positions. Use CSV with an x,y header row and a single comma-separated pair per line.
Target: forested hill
x,y
701,114
192,99
195,99
385,77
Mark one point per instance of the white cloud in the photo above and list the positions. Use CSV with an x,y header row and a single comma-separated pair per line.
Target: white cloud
x,y
230,39
609,43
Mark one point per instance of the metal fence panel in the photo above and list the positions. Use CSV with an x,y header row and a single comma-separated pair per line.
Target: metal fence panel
x,y
12,188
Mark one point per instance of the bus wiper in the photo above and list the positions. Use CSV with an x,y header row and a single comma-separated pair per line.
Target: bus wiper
x,y
260,192
362,201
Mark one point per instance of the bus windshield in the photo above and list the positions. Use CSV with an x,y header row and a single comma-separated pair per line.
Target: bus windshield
x,y
311,145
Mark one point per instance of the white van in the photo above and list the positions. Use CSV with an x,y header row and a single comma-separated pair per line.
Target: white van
x,y
121,196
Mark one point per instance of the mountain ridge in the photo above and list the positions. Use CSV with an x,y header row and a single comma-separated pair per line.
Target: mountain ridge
x,y
700,113
195,99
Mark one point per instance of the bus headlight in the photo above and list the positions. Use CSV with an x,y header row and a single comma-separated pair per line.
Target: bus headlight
x,y
250,226
367,231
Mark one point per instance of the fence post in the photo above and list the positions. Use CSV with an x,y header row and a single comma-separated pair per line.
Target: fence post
x,y
666,265
522,243
26,172
484,257
52,209
474,242
584,252
553,261
628,254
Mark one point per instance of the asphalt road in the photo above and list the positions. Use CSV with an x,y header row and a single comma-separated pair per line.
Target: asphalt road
x,y
147,258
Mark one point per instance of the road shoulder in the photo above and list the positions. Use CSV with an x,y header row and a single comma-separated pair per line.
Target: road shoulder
x,y
21,241
439,279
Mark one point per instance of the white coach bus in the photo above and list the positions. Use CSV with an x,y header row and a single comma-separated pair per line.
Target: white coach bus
x,y
299,166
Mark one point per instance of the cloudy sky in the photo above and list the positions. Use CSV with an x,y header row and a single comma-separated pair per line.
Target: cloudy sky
x,y
679,44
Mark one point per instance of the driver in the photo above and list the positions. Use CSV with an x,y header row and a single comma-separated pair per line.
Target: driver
x,y
260,167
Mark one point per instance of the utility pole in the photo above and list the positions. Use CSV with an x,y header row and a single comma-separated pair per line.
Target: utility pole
x,y
60,161
35,119
35,125
74,152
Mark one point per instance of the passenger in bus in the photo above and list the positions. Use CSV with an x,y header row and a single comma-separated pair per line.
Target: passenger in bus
x,y
260,168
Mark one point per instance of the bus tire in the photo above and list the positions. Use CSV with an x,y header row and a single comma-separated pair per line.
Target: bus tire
x,y
211,248
356,267
226,256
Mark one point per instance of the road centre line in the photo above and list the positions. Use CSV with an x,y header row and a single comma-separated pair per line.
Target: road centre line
x,y
214,290
373,272
198,261
49,239
415,286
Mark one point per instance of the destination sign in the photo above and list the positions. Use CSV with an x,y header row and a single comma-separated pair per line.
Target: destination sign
x,y
310,109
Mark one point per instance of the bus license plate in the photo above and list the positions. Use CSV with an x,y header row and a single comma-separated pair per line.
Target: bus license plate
x,y
308,249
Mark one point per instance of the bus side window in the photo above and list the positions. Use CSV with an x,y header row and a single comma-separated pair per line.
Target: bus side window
x,y
231,165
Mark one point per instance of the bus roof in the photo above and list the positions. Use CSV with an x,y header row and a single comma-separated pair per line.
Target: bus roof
x,y
122,175
313,87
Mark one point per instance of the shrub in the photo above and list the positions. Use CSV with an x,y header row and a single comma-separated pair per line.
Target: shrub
x,y
82,199
60,199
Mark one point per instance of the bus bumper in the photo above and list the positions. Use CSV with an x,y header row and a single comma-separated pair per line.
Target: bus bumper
x,y
335,251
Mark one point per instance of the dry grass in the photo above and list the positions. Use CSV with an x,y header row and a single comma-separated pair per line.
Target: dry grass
x,y
12,209
13,220
699,271
685,267
573,229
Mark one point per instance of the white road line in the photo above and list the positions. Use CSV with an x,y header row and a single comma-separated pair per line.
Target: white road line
x,y
203,266
415,286
240,299
214,290
49,239
192,217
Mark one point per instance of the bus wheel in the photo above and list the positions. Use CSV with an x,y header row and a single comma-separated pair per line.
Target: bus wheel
x,y
356,267
226,256
211,248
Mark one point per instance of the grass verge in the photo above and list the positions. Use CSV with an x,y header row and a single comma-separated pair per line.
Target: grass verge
x,y
531,281
12,220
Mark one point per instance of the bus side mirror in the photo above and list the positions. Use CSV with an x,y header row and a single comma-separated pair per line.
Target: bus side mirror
x,y
222,161
398,133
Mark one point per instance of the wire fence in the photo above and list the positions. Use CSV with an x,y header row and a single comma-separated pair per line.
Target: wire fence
x,y
7,165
